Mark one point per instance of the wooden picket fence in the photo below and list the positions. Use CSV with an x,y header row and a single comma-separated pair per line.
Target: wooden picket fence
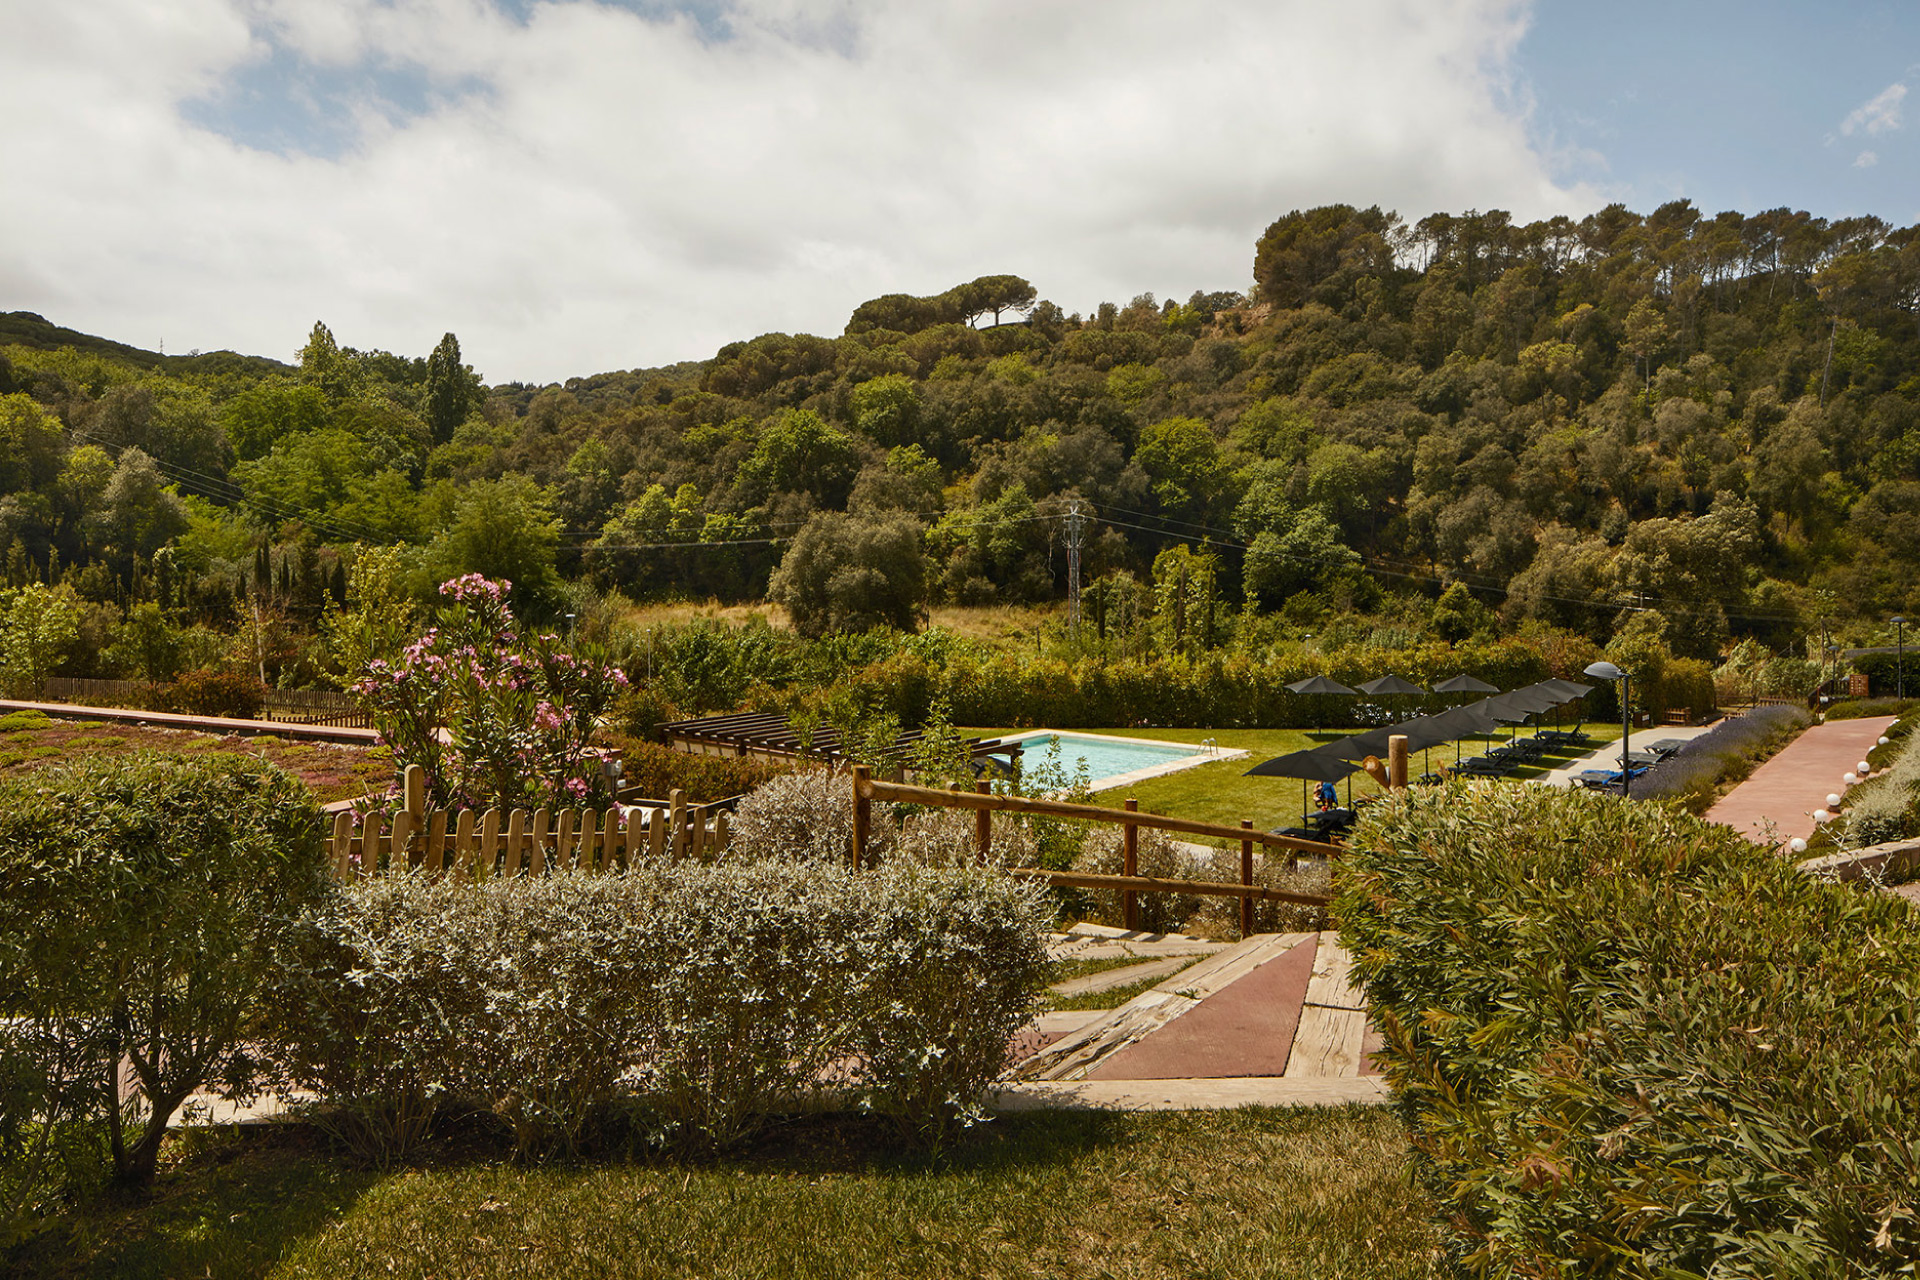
x,y
467,842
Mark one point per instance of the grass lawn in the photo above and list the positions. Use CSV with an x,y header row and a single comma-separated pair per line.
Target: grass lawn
x,y
1219,793
334,772
1321,1193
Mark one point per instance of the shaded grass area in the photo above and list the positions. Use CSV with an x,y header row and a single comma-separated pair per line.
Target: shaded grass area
x,y
1324,1193
334,772
1110,999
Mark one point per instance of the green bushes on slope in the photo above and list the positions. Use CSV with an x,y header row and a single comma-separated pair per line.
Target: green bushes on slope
x,y
1629,1043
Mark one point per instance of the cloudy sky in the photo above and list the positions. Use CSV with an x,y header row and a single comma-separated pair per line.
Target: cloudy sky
x,y
581,185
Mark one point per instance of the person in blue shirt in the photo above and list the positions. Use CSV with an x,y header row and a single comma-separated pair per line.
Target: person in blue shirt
x,y
1328,796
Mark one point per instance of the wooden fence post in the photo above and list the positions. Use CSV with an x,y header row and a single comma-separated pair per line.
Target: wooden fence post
x,y
342,847
465,856
983,822
416,790
489,840
1246,878
1130,866
677,823
404,824
862,817
1397,761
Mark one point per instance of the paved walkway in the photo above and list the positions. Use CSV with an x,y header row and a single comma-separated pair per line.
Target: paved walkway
x,y
1607,754
1272,1020
1777,802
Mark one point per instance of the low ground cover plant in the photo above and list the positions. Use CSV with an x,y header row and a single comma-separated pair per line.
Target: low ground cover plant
x,y
682,1004
140,901
1887,806
1628,1042
1696,774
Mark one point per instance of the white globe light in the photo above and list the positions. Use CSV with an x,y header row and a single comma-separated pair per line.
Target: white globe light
x,y
1797,845
1848,778
1863,768
1822,817
1883,740
1833,800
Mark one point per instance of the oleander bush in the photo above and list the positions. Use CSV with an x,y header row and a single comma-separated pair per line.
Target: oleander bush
x,y
140,899
696,1002
1630,1043
1725,753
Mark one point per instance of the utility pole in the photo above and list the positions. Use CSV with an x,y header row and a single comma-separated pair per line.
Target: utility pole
x,y
1073,567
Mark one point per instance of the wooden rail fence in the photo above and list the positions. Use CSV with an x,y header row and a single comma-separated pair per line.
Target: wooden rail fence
x,y
520,841
535,842
1130,883
288,706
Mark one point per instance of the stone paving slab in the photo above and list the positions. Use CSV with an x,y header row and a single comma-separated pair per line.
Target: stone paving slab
x,y
1187,1095
1777,802
1104,942
1122,977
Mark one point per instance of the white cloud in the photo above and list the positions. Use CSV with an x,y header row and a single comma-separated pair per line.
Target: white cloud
x,y
625,191
1866,160
1878,114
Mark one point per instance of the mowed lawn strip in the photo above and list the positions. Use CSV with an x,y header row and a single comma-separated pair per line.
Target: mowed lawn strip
x,y
1258,1192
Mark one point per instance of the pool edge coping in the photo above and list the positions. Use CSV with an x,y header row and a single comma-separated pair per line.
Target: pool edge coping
x,y
1199,755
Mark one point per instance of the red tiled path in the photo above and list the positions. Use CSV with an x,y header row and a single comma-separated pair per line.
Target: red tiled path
x,y
1244,1029
1784,792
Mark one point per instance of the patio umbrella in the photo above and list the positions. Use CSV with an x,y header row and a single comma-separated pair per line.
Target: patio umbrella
x,y
1390,684
1357,746
1308,766
1319,684
1463,683
1567,687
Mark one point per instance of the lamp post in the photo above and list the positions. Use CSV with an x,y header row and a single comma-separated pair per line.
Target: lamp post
x,y
1607,671
1900,657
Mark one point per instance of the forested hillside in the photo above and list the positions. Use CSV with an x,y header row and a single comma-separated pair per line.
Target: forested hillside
x,y
1696,430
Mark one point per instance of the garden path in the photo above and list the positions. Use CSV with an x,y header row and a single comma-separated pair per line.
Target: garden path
x,y
1271,1020
1777,802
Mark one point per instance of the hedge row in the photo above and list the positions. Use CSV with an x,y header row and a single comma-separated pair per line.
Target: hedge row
x,y
1211,691
1630,1043
693,1001
174,913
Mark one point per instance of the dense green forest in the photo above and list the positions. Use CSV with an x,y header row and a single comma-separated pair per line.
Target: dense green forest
x,y
1699,435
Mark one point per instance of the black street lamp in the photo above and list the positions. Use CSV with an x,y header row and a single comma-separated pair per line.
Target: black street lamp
x,y
1900,658
1607,671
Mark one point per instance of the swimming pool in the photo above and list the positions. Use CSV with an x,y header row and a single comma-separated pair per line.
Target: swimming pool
x,y
1115,762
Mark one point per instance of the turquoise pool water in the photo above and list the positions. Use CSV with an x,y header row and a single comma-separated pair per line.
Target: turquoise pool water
x,y
1104,757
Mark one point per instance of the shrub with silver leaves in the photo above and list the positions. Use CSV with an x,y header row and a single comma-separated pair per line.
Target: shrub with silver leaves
x,y
700,999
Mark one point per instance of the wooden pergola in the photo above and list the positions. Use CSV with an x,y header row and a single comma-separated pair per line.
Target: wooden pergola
x,y
766,736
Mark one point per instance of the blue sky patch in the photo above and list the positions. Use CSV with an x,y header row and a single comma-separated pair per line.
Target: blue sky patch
x,y
287,105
